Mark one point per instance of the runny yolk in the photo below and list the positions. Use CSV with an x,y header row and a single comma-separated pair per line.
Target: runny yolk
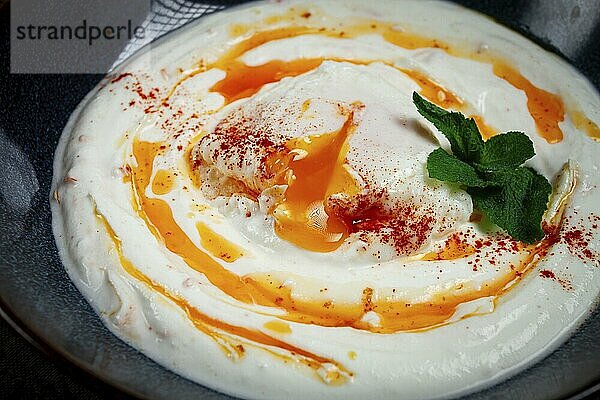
x,y
317,172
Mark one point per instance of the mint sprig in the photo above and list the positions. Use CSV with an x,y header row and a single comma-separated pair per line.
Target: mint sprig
x,y
512,196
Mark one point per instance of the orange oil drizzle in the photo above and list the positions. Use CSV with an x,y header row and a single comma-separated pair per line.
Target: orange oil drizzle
x,y
250,42
159,218
217,245
485,130
454,249
244,81
278,327
187,155
162,182
262,289
435,92
219,330
585,124
256,39
395,314
293,13
546,108
444,98
404,39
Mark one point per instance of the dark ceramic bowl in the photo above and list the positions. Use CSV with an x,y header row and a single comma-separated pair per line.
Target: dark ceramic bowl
x,y
38,298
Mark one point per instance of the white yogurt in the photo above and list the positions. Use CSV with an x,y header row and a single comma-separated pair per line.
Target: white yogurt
x,y
465,354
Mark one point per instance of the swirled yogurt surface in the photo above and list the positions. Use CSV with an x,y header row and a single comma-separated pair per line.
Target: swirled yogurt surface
x,y
246,201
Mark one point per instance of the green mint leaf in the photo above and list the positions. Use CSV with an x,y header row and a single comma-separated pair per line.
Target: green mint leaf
x,y
536,203
517,204
508,150
446,167
462,133
513,197
427,109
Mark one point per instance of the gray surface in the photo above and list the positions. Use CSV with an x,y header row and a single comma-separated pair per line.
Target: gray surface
x,y
36,290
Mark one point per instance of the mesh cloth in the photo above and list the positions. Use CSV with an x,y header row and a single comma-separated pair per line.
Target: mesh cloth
x,y
165,16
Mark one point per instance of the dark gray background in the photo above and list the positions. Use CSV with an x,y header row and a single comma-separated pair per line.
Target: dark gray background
x,y
40,300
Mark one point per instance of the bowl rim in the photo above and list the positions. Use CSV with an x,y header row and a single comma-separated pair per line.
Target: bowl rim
x,y
63,358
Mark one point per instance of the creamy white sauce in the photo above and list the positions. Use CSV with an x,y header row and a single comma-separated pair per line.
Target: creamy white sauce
x,y
464,355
